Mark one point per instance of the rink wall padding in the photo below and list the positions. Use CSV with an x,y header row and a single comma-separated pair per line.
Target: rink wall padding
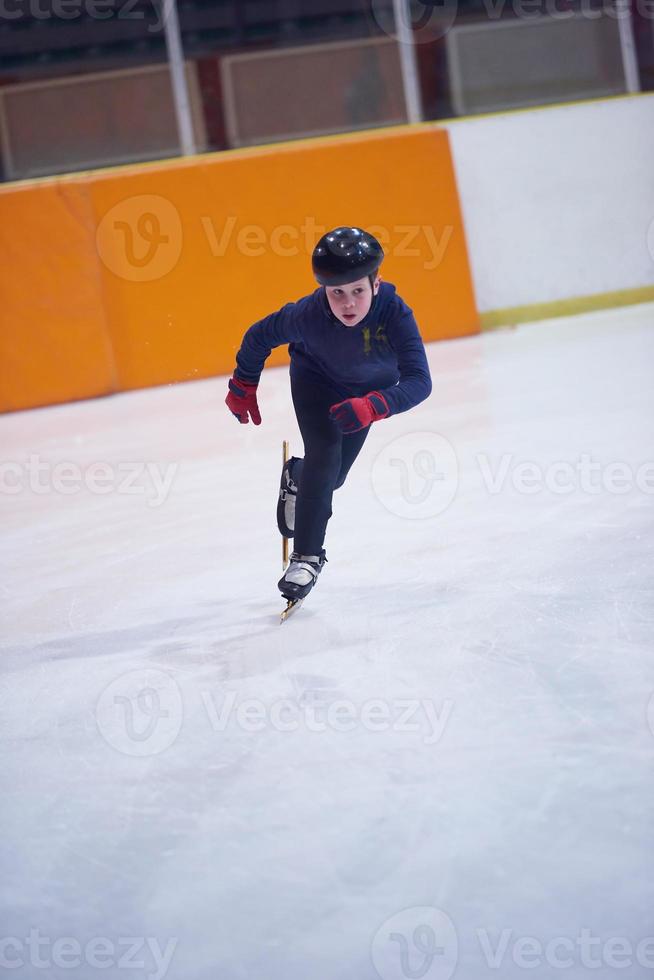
x,y
54,340
147,275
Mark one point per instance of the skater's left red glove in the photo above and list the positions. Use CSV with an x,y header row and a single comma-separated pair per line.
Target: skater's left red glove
x,y
357,413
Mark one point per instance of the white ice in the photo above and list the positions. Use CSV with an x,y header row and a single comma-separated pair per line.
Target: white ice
x,y
446,751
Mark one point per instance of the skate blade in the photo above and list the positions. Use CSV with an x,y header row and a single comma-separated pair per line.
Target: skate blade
x,y
291,606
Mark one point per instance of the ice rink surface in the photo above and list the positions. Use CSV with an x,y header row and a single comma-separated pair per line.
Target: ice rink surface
x,y
441,766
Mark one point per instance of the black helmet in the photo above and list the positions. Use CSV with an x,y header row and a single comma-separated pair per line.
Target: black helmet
x,y
345,255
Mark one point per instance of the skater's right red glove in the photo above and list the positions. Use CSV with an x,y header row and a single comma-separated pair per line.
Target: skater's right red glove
x,y
242,399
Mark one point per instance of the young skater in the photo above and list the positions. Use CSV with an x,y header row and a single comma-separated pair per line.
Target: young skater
x,y
356,357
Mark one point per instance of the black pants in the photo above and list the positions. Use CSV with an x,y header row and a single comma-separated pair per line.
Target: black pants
x,y
328,456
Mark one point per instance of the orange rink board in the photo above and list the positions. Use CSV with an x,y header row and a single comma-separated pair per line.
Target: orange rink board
x,y
151,274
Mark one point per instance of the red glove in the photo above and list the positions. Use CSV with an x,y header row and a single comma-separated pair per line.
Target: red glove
x,y
357,413
242,399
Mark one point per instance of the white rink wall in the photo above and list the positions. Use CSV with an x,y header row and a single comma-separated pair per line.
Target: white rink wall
x,y
558,203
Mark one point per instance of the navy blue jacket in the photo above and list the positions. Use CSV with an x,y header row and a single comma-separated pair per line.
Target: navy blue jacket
x,y
383,353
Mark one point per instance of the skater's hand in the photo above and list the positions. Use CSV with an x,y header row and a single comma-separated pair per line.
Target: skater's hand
x,y
242,400
357,413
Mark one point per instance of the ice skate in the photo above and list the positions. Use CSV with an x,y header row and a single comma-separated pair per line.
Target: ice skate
x,y
287,498
301,575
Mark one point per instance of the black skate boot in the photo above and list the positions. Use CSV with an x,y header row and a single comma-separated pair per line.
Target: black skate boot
x,y
301,575
286,500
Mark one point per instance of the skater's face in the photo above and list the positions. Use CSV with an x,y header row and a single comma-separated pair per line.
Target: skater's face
x,y
351,302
